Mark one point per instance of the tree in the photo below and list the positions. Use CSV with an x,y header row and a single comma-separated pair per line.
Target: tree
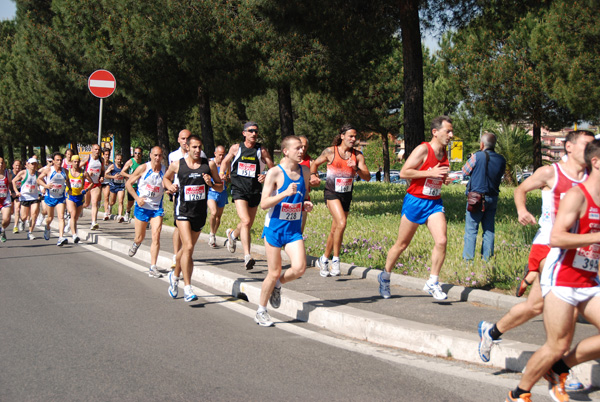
x,y
515,145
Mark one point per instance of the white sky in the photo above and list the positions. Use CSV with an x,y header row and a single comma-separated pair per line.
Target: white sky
x,y
8,9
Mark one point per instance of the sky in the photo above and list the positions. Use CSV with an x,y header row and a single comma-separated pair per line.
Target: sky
x,y
8,9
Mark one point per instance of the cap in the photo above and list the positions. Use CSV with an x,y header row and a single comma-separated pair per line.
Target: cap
x,y
32,160
75,158
49,159
250,124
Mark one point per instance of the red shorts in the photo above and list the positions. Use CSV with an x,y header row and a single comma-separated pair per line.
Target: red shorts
x,y
88,185
536,255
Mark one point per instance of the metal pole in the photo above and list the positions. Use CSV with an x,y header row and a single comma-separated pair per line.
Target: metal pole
x,y
100,122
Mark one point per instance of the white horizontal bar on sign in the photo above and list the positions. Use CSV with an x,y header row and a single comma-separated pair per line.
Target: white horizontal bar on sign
x,y
102,84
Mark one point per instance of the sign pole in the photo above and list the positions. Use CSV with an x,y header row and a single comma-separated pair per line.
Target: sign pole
x,y
100,121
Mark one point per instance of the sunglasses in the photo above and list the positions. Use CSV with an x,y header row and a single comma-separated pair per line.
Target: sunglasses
x,y
252,131
137,153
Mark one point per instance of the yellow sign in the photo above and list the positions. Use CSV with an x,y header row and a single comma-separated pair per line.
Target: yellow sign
x,y
107,141
456,151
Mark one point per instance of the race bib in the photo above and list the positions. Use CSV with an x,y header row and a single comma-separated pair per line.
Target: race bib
x,y
76,183
56,190
586,258
151,191
246,169
290,212
3,192
94,173
29,188
432,187
118,181
194,193
343,184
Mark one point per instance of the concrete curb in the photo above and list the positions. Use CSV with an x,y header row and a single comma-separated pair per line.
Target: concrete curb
x,y
363,325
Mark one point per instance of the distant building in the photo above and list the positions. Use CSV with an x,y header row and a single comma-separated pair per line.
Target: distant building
x,y
553,142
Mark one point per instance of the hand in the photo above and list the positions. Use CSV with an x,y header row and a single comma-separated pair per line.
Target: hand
x,y
308,206
291,190
447,180
140,201
351,163
526,218
261,178
439,172
314,180
173,188
207,179
223,175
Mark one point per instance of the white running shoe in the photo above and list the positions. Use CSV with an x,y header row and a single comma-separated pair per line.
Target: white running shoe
x,y
133,249
212,240
573,383
154,272
39,220
263,319
275,298
127,217
46,232
485,340
435,290
120,219
67,225
30,236
230,240
249,262
21,226
173,284
188,294
106,216
75,239
323,267
335,268
62,241
384,286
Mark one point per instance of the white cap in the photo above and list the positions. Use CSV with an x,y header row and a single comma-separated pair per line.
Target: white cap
x,y
32,160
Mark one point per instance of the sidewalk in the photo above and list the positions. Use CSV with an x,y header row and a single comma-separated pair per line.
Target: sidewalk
x,y
350,304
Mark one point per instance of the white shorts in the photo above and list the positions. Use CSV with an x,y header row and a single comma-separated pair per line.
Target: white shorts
x,y
573,296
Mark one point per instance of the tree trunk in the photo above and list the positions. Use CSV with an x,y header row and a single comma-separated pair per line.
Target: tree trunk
x,y
208,139
55,148
42,155
11,153
23,154
537,145
414,126
386,156
126,140
286,117
162,135
2,152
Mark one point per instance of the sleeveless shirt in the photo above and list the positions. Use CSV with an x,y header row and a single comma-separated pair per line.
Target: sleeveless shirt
x,y
150,187
286,216
340,176
192,196
428,187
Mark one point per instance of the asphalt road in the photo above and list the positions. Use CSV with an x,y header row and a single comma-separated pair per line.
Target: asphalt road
x,y
76,325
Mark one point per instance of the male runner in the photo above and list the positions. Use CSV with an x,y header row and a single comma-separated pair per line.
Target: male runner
x,y
75,194
306,161
43,210
55,182
427,168
130,166
67,160
216,200
106,162
19,225
28,194
117,185
5,201
148,205
94,167
569,286
554,180
194,173
343,163
245,163
174,157
284,195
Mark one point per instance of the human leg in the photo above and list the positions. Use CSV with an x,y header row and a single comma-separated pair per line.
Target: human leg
x,y
60,211
437,227
184,256
156,226
105,198
120,197
95,194
274,272
472,220
488,227
246,215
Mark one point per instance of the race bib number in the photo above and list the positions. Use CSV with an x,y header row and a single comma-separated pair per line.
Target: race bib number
x,y
76,183
94,173
151,191
56,190
3,192
432,187
290,212
587,258
118,181
194,193
29,188
343,184
246,169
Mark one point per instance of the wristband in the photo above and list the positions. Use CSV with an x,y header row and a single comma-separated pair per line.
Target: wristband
x,y
314,174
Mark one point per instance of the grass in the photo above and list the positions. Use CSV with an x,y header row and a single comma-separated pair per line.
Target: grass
x,y
373,227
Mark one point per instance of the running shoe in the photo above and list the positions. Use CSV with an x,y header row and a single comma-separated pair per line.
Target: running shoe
x,y
16,229
275,298
21,226
557,385
263,319
39,220
47,233
120,219
3,236
62,241
323,267
485,340
67,225
435,290
30,236
76,239
173,284
133,249
106,216
230,240
573,383
212,241
249,262
188,294
126,219
524,397
154,272
384,286
335,268
94,226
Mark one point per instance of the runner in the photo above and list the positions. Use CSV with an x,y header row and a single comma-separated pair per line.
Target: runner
x,y
130,166
43,210
569,286
28,194
54,181
19,225
67,160
148,205
216,200
427,168
245,163
194,173
94,167
343,164
117,185
306,161
554,180
5,199
76,194
174,157
285,196
106,183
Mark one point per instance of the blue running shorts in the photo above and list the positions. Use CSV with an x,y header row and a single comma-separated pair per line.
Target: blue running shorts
x,y
52,202
220,198
145,215
77,199
418,210
278,239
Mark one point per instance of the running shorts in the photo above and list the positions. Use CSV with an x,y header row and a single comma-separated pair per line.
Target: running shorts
x,y
418,210
77,199
29,203
253,199
144,215
537,253
345,198
116,189
573,296
220,198
52,202
196,223
279,239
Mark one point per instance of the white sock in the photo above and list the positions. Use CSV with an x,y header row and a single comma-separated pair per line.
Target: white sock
x,y
433,279
335,259
187,288
386,275
212,234
153,267
324,258
174,257
261,309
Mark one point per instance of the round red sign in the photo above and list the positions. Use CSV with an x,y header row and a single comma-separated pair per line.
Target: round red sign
x,y
102,83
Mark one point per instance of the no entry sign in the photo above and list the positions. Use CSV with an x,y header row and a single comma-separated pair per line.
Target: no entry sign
x,y
102,83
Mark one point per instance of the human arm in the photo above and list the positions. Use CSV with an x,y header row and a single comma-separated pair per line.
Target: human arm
x,y
18,177
572,207
125,169
308,205
134,177
226,162
266,157
361,167
169,176
273,181
469,165
108,175
326,156
411,167
541,178
216,183
40,180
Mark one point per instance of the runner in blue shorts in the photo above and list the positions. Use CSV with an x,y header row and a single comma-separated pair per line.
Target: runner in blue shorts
x,y
117,186
418,210
55,181
216,200
285,195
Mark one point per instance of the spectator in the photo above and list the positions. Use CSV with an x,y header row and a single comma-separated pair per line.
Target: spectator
x,y
485,169
378,175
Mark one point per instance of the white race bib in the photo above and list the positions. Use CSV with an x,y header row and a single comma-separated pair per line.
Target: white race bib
x,y
57,190
290,212
151,191
587,258
76,183
28,188
246,169
194,193
343,184
432,187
